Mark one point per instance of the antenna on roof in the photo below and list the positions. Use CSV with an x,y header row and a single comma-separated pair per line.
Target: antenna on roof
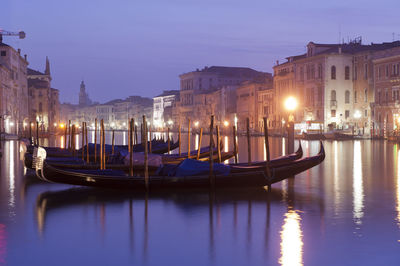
x,y
340,33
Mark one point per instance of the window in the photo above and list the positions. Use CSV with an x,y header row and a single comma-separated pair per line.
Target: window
x,y
366,95
301,73
333,72
387,71
3,53
347,97
355,96
379,96
333,113
365,71
333,95
347,73
366,113
346,114
40,107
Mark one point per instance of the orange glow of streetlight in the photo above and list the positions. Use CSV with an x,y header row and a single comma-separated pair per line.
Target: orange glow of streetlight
x,y
291,103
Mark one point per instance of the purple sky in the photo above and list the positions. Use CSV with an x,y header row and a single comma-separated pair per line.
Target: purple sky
x,y
133,47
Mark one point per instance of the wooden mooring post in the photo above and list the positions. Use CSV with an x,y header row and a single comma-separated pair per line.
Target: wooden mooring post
x,y
211,151
200,138
248,140
218,145
146,163
235,148
179,139
168,140
95,140
188,139
266,140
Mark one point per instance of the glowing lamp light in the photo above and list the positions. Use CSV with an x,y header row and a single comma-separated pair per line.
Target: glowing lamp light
x,y
32,124
25,124
11,123
398,119
55,124
290,103
124,124
226,123
170,122
357,114
196,124
62,125
112,124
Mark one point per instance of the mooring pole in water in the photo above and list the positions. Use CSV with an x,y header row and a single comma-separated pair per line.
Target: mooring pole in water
x,y
104,144
211,150
189,139
150,142
146,165
200,138
131,125
101,145
235,149
83,140
95,140
112,143
248,140
219,145
69,135
73,141
179,139
37,133
87,143
65,136
30,132
142,133
268,170
168,141
136,137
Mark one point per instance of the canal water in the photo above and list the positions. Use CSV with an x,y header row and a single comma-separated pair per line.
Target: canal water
x,y
345,211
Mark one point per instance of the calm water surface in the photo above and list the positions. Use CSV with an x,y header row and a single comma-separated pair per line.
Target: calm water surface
x,y
345,211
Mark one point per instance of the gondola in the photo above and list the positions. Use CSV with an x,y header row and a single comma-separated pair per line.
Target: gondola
x,y
116,161
76,163
223,176
158,147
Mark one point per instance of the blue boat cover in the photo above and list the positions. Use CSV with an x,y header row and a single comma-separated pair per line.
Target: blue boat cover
x,y
190,167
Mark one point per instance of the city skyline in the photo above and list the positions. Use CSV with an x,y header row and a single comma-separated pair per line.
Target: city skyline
x,y
135,54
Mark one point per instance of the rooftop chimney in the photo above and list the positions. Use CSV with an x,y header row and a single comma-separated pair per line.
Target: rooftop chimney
x,y
25,57
277,62
19,51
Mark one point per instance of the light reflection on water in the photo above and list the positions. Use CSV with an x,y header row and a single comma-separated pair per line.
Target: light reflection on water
x,y
358,189
306,220
291,240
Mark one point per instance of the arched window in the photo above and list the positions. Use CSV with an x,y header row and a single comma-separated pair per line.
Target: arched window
x,y
333,95
333,72
347,97
40,107
347,73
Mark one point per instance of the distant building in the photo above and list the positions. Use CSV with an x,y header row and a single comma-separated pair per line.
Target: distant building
x,y
44,105
115,113
162,107
255,101
197,84
84,99
13,90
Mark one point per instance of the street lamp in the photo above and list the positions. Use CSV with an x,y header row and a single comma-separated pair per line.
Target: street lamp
x,y
290,106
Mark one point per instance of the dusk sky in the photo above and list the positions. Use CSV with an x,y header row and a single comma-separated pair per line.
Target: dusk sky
x,y
130,47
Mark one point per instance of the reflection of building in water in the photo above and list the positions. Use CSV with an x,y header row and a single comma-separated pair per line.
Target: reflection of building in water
x,y
291,240
358,189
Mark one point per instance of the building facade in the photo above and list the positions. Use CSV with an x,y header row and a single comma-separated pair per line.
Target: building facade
x,y
13,90
162,108
44,105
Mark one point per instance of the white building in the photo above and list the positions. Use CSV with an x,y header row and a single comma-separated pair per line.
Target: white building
x,y
162,107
